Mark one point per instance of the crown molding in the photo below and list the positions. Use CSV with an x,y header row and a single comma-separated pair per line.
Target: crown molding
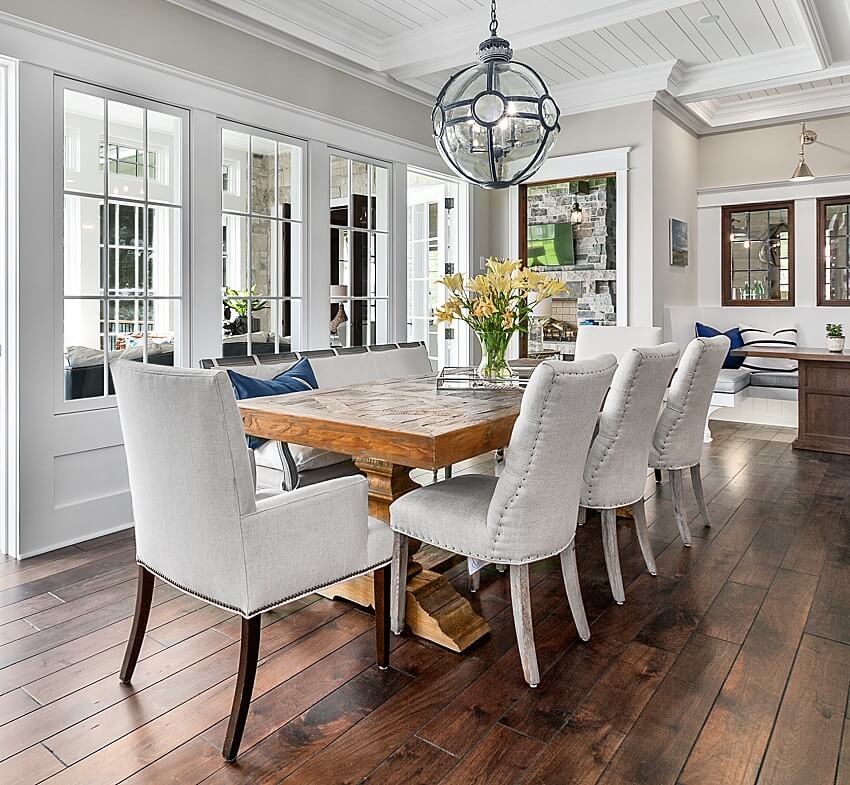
x,y
307,43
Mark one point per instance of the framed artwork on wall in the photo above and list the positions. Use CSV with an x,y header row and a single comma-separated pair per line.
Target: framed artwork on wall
x,y
678,243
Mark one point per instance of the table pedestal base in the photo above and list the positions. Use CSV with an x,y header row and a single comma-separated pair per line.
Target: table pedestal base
x,y
435,611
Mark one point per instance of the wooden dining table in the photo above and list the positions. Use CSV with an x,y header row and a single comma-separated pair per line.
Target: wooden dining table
x,y
390,427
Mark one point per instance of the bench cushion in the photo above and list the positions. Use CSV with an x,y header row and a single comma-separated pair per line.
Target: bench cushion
x,y
767,379
732,381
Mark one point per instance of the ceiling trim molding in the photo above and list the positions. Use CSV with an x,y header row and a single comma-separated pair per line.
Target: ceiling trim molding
x,y
450,44
314,51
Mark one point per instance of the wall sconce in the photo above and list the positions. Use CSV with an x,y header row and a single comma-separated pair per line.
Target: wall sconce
x,y
802,173
576,216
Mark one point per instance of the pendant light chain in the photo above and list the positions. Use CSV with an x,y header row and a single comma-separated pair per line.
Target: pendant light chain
x,y
494,23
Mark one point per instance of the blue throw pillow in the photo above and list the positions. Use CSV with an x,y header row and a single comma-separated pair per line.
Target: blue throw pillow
x,y
736,341
298,378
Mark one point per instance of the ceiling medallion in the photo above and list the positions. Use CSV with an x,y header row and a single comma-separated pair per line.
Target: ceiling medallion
x,y
495,122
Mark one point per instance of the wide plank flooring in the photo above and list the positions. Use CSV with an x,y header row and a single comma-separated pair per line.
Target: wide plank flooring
x,y
730,667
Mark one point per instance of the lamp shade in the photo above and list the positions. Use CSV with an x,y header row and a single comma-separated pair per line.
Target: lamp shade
x,y
338,291
802,172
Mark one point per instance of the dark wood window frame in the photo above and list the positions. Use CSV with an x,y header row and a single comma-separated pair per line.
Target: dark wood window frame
x,y
822,204
726,257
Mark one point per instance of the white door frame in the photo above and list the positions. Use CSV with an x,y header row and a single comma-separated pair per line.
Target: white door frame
x,y
8,297
571,167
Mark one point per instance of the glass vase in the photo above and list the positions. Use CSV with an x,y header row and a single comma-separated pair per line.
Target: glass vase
x,y
493,364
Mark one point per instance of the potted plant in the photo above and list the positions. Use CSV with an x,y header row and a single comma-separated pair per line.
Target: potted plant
x,y
835,337
236,311
496,305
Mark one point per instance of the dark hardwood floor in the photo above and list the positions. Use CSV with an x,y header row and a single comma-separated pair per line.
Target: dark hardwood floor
x,y
731,667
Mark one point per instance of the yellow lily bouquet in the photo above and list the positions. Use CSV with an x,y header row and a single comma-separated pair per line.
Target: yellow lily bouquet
x,y
495,305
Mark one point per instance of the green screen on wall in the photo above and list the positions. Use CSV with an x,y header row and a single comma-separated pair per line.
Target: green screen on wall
x,y
551,245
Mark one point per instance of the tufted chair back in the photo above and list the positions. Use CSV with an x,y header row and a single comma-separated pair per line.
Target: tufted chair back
x,y
615,471
535,502
678,439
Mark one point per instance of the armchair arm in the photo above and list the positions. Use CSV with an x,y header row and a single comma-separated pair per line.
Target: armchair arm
x,y
311,537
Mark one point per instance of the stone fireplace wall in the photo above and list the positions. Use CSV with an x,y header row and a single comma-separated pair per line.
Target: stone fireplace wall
x,y
591,281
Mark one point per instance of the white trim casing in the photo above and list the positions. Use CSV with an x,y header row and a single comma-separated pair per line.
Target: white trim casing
x,y
569,167
9,449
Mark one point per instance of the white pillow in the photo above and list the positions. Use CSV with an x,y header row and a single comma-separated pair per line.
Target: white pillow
x,y
753,336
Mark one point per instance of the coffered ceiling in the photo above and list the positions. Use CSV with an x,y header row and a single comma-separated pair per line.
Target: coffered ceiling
x,y
715,63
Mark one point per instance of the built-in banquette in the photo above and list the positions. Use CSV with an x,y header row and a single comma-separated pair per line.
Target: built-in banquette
x,y
288,466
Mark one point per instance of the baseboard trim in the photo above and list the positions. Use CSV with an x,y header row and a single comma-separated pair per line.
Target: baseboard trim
x,y
75,540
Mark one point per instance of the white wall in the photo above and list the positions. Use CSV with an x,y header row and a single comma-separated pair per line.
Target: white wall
x,y
623,126
765,155
674,186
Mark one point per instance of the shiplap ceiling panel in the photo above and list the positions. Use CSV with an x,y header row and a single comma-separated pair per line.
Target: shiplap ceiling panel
x,y
695,56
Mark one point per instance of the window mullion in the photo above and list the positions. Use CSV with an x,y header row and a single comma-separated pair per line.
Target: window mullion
x,y
104,254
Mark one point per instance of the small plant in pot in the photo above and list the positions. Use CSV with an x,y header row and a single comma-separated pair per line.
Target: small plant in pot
x,y
835,337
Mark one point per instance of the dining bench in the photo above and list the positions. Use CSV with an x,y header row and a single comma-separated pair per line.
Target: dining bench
x,y
286,466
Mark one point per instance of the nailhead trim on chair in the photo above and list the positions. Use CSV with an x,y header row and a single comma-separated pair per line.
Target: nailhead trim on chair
x,y
534,447
270,605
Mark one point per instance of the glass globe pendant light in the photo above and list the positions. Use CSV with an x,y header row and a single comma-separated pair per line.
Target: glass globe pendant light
x,y
495,122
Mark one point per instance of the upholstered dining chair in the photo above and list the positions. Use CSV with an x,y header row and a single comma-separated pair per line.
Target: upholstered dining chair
x,y
615,470
526,514
592,340
200,528
678,439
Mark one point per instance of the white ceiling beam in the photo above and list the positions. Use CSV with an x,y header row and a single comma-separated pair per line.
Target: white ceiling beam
x,y
810,22
449,44
622,87
754,72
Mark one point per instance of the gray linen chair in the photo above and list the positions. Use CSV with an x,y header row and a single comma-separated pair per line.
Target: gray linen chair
x,y
615,471
526,514
200,528
678,439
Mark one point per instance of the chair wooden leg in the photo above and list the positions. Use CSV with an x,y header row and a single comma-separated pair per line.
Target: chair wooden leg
x,y
249,651
658,475
474,581
639,513
569,568
678,492
144,593
696,480
398,590
381,582
582,516
612,556
521,603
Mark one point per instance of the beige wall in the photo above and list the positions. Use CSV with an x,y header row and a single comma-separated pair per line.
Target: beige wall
x,y
164,32
764,155
674,195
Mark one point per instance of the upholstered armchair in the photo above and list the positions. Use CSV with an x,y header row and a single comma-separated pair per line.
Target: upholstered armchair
x,y
526,514
678,439
615,471
200,528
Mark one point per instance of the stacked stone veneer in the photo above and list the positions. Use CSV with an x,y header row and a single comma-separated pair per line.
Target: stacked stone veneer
x,y
592,281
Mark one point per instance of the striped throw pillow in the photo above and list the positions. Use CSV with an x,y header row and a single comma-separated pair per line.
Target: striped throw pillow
x,y
754,337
